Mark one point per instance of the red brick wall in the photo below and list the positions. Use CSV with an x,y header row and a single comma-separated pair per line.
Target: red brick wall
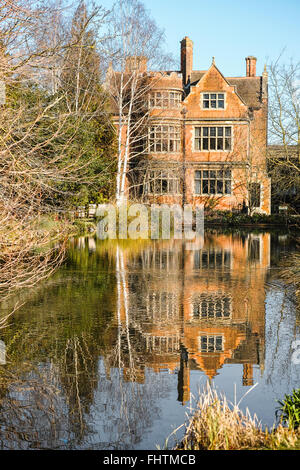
x,y
249,137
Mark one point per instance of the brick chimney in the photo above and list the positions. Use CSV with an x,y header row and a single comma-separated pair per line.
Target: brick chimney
x,y
186,58
247,375
251,66
136,64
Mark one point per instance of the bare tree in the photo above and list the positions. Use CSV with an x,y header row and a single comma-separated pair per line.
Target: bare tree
x,y
40,124
284,129
136,44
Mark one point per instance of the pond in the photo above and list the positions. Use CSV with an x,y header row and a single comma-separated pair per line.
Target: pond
x,y
111,351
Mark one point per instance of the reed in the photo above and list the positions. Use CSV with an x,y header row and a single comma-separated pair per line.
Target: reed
x,y
216,424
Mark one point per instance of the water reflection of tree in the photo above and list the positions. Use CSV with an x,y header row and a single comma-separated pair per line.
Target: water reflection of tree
x,y
63,329
54,393
83,371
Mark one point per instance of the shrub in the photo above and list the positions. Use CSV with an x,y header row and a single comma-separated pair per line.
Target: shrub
x,y
290,409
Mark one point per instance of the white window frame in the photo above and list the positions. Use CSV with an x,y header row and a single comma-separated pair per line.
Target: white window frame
x,y
209,337
162,99
218,177
210,136
155,179
161,136
211,299
210,100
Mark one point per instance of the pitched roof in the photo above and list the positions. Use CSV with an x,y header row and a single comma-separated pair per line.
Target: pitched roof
x,y
248,88
196,76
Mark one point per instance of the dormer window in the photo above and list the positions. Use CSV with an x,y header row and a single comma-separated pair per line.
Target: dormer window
x,y
213,100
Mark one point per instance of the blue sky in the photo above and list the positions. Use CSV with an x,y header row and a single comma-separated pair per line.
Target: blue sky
x,y
229,30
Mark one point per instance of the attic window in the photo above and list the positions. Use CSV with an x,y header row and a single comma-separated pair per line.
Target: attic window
x,y
211,343
213,100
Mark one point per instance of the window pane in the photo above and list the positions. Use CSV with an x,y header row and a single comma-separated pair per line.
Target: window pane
x,y
211,347
220,144
198,174
227,187
219,343
164,186
213,100
205,186
220,186
212,186
205,173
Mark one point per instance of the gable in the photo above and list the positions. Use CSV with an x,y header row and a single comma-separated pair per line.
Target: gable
x,y
213,81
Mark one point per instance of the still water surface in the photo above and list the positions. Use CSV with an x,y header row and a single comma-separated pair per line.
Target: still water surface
x,y
111,351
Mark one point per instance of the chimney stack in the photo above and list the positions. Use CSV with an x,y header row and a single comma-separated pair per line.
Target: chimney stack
x,y
136,64
247,375
186,58
251,66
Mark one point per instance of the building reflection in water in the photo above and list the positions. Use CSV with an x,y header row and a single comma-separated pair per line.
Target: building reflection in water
x,y
185,309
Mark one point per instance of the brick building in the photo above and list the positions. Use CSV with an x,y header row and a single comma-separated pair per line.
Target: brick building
x,y
206,137
209,311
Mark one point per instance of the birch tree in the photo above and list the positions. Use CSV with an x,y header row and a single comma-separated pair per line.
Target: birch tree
x,y
136,45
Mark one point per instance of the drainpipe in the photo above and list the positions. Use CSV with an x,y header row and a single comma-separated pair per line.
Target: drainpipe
x,y
184,113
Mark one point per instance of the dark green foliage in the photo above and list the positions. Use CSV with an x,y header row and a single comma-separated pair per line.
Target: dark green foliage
x,y
289,410
74,151
232,219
